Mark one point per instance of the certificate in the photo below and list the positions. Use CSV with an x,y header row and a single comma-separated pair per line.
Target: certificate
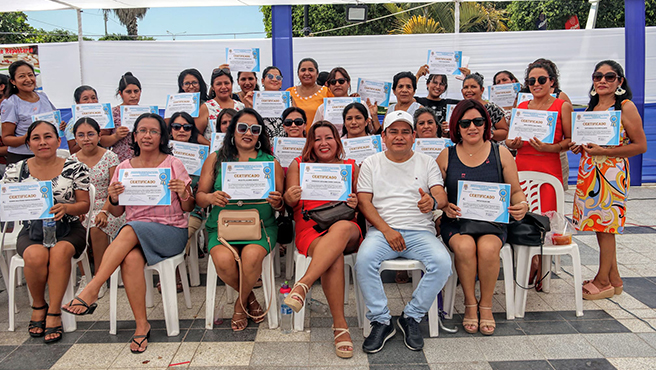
x,y
26,200
217,141
130,113
248,180
145,187
271,103
333,108
243,60
325,181
601,128
54,118
100,112
376,91
444,62
183,102
287,148
449,110
361,148
192,155
529,123
504,95
484,201
431,146
522,97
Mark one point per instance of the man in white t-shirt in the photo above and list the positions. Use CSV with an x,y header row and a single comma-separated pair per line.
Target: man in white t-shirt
x,y
397,191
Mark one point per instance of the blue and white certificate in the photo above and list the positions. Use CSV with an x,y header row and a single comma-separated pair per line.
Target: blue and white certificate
x,y
329,182
333,108
183,102
522,97
192,155
26,200
286,149
601,128
53,117
376,91
217,141
529,123
449,111
130,113
100,112
484,201
504,95
361,148
271,103
243,60
248,180
145,187
431,146
444,62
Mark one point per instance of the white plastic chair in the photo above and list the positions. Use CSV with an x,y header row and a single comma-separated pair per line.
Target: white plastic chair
x,y
166,270
268,288
63,153
302,263
192,258
531,183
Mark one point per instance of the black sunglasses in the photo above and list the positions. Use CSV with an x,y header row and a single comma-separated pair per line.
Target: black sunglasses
x,y
177,126
336,81
610,76
298,122
220,71
465,123
541,80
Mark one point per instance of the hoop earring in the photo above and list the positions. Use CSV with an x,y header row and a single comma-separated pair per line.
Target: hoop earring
x,y
593,92
620,91
258,145
232,140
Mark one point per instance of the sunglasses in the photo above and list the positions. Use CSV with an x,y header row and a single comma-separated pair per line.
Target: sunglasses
x,y
298,122
243,127
610,76
336,81
220,71
540,80
465,123
274,77
177,126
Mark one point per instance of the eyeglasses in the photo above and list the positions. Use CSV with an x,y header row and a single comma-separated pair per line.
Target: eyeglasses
x,y
610,76
465,123
177,126
82,135
336,81
540,80
274,77
190,83
143,131
243,127
298,122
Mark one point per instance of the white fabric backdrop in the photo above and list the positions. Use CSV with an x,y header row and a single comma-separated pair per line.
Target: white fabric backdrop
x,y
157,63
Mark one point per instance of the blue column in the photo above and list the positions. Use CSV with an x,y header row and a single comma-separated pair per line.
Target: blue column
x,y
282,45
634,40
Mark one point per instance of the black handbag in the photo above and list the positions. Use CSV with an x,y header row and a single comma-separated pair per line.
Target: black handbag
x,y
528,231
326,215
285,228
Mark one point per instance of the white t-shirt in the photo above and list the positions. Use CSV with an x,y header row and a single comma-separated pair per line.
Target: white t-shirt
x,y
395,189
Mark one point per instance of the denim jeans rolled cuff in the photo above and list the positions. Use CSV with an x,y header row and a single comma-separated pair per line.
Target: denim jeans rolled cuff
x,y
420,245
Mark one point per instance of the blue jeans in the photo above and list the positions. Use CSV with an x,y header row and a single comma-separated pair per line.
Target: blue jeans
x,y
423,246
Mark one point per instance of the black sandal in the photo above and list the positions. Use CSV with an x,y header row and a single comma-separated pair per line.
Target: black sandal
x,y
38,324
55,330
88,311
139,343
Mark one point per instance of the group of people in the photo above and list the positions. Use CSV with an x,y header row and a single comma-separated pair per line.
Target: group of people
x,y
399,192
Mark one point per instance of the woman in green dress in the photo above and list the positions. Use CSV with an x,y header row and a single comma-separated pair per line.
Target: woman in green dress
x,y
245,141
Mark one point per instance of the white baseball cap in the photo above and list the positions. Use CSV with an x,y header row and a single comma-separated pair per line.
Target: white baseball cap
x,y
398,115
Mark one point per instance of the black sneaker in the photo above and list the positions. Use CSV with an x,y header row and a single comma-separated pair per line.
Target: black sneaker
x,y
411,333
380,333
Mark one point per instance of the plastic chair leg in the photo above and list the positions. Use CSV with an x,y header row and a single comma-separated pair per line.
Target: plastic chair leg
x,y
210,295
276,259
508,281
524,255
11,291
192,261
149,287
450,290
546,269
68,320
289,261
182,267
578,281
113,299
169,299
269,290
301,266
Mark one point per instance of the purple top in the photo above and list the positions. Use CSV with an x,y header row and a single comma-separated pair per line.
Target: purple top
x,y
20,112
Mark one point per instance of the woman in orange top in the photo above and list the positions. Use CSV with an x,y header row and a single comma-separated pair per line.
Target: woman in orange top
x,y
308,95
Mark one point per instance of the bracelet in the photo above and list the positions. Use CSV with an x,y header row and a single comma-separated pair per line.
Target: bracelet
x,y
111,201
187,197
525,202
103,211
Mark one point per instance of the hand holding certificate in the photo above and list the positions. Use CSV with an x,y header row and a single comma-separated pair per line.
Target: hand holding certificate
x,y
601,128
248,180
484,201
376,91
144,187
528,123
329,182
183,102
28,200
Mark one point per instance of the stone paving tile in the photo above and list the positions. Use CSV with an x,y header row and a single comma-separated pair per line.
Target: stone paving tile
x,y
620,345
582,364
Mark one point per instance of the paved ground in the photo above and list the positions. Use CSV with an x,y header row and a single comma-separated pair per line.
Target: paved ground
x,y
613,333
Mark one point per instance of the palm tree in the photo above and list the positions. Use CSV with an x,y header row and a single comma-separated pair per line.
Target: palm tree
x,y
128,18
439,18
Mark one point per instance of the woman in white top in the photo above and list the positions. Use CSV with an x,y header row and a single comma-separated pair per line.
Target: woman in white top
x,y
220,98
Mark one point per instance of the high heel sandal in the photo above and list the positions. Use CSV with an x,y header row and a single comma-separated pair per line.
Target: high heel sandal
x,y
291,301
486,323
470,322
346,343
54,330
257,312
38,324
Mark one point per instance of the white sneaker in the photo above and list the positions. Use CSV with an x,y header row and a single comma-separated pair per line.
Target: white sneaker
x,y
81,284
103,290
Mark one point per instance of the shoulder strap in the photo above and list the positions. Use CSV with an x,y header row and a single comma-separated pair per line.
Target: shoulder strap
x,y
495,148
23,171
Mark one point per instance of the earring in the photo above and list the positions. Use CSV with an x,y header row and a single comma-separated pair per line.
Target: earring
x,y
258,145
232,140
620,91
593,92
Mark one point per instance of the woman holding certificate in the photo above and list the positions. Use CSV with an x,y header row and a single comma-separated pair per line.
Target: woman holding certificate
x,y
476,158
152,233
472,88
308,95
404,86
326,247
245,141
191,81
118,138
220,98
603,180
294,122
82,95
356,121
272,81
51,265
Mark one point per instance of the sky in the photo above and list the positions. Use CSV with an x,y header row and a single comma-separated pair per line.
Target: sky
x,y
198,23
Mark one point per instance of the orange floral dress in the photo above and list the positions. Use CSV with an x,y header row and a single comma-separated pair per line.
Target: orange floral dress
x,y
310,103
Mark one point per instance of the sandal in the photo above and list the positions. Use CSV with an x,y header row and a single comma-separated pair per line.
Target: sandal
x,y
139,343
291,301
89,308
486,323
346,343
618,289
470,322
256,311
591,292
54,330
236,324
38,324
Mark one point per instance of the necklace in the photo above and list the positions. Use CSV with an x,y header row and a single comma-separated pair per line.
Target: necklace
x,y
475,151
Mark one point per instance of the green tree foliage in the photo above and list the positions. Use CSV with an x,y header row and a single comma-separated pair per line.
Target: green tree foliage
x,y
118,37
14,28
129,17
439,18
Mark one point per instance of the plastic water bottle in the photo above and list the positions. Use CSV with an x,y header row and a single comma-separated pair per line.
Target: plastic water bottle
x,y
285,311
318,306
49,232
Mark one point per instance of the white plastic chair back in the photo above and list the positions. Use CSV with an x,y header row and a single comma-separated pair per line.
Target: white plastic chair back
x,y
532,181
